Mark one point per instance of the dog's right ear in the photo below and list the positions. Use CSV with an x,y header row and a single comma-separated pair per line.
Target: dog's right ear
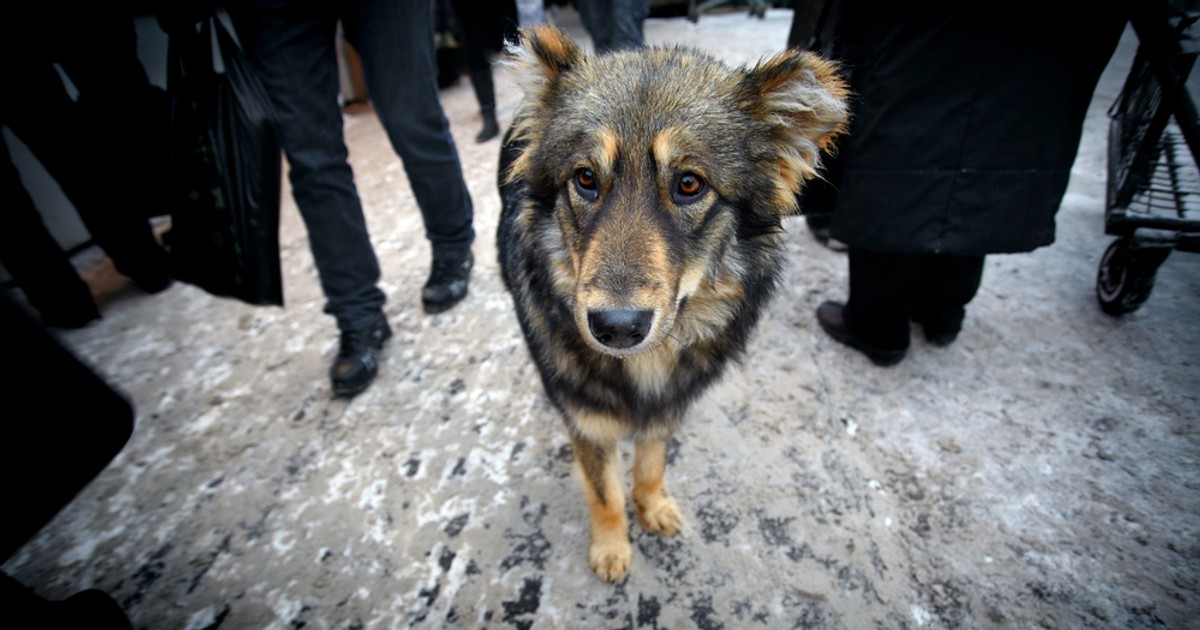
x,y
541,56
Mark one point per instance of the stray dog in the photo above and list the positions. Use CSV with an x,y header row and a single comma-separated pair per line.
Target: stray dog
x,y
641,239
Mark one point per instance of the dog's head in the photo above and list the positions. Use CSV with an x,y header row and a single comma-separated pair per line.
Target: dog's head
x,y
657,165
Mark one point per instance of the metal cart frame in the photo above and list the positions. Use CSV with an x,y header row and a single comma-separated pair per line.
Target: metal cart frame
x,y
1153,179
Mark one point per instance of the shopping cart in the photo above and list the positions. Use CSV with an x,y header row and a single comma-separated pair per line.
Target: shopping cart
x,y
1153,201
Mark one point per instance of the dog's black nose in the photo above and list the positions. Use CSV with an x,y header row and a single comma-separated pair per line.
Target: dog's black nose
x,y
620,329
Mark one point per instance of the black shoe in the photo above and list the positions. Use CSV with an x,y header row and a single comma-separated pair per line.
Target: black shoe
x,y
447,283
491,129
357,362
829,315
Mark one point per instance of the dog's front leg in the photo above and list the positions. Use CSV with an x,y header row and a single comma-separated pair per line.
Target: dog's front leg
x,y
656,509
610,552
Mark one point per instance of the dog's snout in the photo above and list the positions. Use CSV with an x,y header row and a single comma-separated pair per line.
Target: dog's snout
x,y
620,329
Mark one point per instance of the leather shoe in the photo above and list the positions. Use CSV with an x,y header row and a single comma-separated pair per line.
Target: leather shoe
x,y
357,361
447,284
829,315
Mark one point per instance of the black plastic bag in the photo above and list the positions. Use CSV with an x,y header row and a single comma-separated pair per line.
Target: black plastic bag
x,y
225,165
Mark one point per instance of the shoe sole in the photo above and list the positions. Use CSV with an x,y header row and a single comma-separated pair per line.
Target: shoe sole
x,y
433,309
351,392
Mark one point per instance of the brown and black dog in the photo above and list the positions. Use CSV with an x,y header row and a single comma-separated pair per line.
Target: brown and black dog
x,y
641,239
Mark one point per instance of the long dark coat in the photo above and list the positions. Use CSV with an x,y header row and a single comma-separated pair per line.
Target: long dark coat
x,y
966,123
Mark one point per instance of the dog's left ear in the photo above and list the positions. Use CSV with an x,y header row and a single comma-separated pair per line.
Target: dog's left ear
x,y
803,100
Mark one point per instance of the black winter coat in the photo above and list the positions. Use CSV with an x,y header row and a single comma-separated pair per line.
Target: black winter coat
x,y
965,124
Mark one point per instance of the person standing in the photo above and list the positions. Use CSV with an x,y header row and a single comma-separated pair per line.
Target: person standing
x,y
484,26
967,119
292,43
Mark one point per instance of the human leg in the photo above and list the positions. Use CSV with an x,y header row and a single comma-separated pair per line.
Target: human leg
x,y
398,61
470,18
947,284
627,18
75,149
118,102
293,48
818,200
874,320
35,260
882,288
596,16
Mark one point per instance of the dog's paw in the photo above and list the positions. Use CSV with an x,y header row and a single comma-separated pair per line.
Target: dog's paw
x,y
610,560
658,513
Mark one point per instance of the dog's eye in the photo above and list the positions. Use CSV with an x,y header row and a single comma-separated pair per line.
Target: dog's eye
x,y
688,187
585,179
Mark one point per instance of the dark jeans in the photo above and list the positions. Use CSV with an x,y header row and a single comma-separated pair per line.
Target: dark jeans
x,y
889,290
614,24
292,42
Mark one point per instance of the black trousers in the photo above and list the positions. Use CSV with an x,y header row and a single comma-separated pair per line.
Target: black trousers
x,y
889,290
292,44
484,26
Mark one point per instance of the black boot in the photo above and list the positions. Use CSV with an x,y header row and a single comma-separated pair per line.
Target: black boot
x,y
447,283
357,362
491,128
829,316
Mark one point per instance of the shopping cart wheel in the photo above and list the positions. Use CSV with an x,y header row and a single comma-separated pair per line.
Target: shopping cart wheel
x,y
1126,276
